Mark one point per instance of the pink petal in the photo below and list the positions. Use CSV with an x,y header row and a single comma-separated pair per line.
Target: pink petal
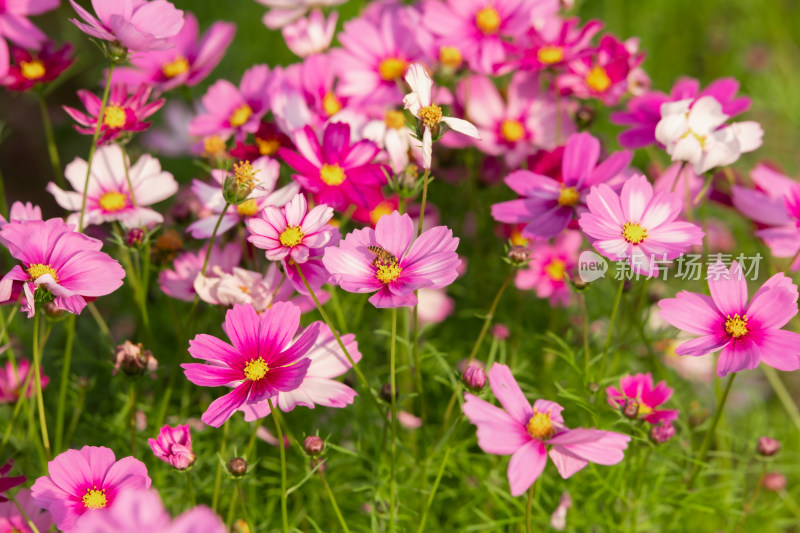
x,y
498,432
780,349
507,391
740,354
729,289
692,312
525,466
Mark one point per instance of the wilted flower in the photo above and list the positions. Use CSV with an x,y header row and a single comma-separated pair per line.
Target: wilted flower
x,y
662,431
179,281
174,446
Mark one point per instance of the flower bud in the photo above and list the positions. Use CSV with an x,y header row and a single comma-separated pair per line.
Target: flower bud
x,y
774,481
386,393
313,445
767,446
174,446
662,432
631,408
240,526
237,187
52,311
474,377
237,466
593,387
134,237
500,332
519,255
116,52
584,116
133,360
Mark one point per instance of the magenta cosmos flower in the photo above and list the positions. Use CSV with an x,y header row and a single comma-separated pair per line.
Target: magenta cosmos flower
x,y
15,26
292,230
178,282
137,25
549,269
31,68
336,172
526,431
639,387
174,446
122,114
188,62
318,387
58,260
263,361
746,333
389,262
13,378
9,482
86,481
638,227
109,198
549,205
555,43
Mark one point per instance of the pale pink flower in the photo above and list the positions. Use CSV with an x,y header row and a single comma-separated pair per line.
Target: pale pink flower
x,y
283,12
393,136
312,35
178,282
13,521
433,306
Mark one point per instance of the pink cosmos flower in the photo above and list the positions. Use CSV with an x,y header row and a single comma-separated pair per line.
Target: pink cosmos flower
x,y
142,510
336,172
122,114
644,112
283,12
747,333
313,269
109,197
230,110
525,431
387,262
636,226
312,35
137,25
549,205
318,387
20,212
263,361
292,230
265,171
86,481
515,128
174,446
315,79
15,26
58,260
393,136
554,44
32,68
420,103
13,521
550,266
434,306
12,379
178,282
639,387
188,62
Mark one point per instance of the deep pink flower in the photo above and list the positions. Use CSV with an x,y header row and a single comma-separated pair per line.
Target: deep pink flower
x,y
57,259
336,172
15,26
174,446
644,112
122,114
637,226
86,481
13,521
639,387
549,269
555,43
178,282
549,205
263,361
32,68
9,482
747,333
387,261
525,431
266,141
12,379
137,25
188,62
318,387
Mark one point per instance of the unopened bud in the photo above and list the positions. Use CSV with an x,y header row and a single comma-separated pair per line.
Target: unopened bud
x,y
238,186
116,52
474,377
662,432
237,466
774,481
593,387
519,255
767,446
631,408
134,237
500,332
408,177
134,360
584,116
313,445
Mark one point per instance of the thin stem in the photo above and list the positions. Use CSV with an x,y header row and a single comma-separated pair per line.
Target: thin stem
x,y
528,509
418,371
191,487
38,378
132,393
783,395
62,389
17,407
240,490
336,509
218,474
126,166
231,509
213,236
611,321
27,518
95,137
710,434
101,323
439,475
284,510
638,487
393,384
252,442
488,320
748,506
585,321
52,148
424,200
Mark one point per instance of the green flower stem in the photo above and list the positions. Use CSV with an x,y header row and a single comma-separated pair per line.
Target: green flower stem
x,y
585,320
284,510
418,374
439,475
393,445
231,509
52,148
336,509
529,508
27,518
218,474
709,434
37,356
783,394
614,311
132,394
126,162
190,485
252,442
424,200
17,407
64,384
638,487
100,118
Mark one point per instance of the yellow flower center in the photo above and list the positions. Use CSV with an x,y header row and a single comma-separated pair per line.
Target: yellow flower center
x,y
248,208
736,325
95,499
644,410
550,55
114,117
450,56
568,196
517,239
244,288
383,208
255,369
431,115
633,232
598,79
32,70
388,272
37,270
540,426
241,115
556,270
213,145
244,174
488,20
392,68
176,67
292,236
395,119
332,175
113,201
512,130
331,104
267,146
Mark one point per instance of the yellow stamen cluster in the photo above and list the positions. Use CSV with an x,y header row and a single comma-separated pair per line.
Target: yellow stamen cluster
x,y
736,325
32,70
292,236
267,146
95,499
450,56
255,369
644,410
597,79
113,201
549,55
540,426
176,67
248,208
392,68
431,115
556,270
331,104
388,272
114,117
245,174
488,20
213,145
241,115
512,130
394,119
517,239
37,270
383,208
568,196
332,175
633,232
